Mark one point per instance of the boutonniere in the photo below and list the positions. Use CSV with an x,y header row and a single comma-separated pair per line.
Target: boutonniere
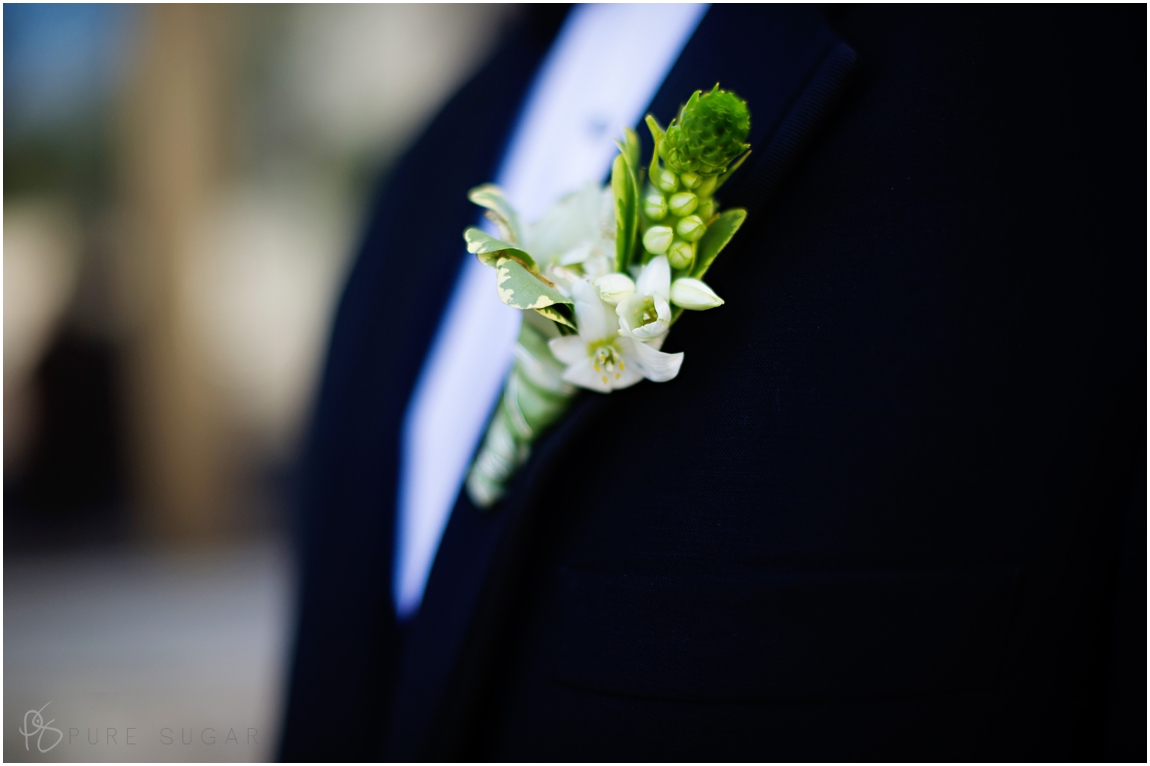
x,y
605,273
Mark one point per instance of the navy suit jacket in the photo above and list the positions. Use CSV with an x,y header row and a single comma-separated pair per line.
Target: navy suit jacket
x,y
894,505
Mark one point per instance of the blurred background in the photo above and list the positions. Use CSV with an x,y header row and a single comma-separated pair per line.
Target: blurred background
x,y
183,190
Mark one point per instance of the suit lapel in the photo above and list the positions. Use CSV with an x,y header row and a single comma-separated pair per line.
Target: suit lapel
x,y
788,66
349,643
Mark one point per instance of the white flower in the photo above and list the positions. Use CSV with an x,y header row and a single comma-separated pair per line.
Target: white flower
x,y
578,230
694,294
614,287
646,313
601,359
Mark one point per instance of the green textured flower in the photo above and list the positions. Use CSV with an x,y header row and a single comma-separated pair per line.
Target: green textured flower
x,y
709,133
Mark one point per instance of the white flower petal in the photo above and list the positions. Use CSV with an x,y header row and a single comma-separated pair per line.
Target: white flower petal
x,y
577,254
614,287
611,319
656,277
584,291
592,320
568,223
629,310
655,365
583,374
595,318
628,376
633,309
569,349
650,330
598,263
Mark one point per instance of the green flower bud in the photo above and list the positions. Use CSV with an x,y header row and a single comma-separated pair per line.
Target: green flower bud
x,y
691,228
690,180
706,209
681,254
684,203
709,133
666,180
655,206
658,239
707,187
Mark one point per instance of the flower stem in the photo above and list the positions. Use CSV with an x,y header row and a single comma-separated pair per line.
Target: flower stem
x,y
533,398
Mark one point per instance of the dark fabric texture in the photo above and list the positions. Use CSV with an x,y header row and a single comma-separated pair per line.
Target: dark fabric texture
x,y
451,639
892,508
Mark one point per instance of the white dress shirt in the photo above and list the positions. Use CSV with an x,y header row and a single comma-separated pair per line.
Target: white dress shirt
x,y
602,71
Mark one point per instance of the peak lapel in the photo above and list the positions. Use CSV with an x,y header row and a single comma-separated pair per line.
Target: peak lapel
x,y
788,65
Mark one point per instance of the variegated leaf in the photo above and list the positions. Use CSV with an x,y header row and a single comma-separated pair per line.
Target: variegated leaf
x,y
490,250
629,147
557,316
491,197
521,288
626,190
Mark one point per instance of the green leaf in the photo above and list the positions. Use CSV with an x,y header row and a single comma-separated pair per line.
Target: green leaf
x,y
491,250
629,147
734,166
499,210
718,235
655,128
657,134
625,186
556,314
521,288
626,189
